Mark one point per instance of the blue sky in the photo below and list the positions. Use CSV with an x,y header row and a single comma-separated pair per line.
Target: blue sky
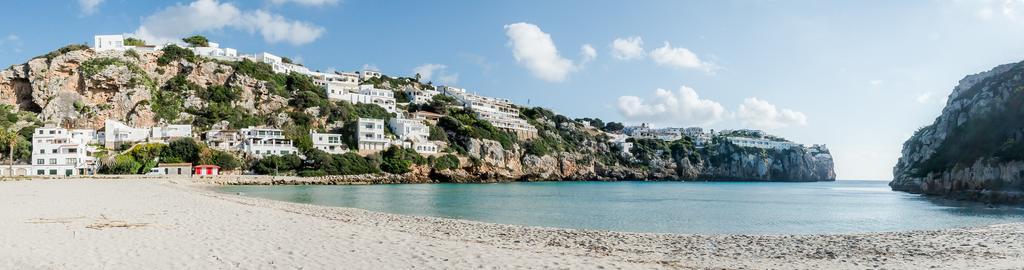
x,y
859,76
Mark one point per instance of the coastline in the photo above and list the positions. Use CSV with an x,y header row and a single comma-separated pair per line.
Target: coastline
x,y
995,246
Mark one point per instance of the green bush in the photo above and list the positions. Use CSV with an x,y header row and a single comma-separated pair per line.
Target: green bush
x,y
181,150
446,162
66,49
397,160
197,41
226,161
351,163
173,53
134,42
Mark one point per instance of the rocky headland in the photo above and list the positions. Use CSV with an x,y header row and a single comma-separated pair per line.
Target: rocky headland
x,y
975,149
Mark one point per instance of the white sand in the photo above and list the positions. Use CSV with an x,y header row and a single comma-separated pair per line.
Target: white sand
x,y
156,224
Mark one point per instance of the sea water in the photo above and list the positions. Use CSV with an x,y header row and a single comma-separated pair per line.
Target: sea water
x,y
661,207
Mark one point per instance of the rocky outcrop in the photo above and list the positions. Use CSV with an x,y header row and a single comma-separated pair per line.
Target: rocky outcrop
x,y
975,149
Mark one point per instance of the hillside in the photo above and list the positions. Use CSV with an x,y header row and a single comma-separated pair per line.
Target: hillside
x,y
79,87
975,149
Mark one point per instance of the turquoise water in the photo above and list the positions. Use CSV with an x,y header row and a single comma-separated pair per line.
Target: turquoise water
x,y
662,207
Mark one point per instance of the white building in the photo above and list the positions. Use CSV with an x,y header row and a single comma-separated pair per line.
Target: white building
x,y
328,142
499,112
366,94
117,133
413,134
57,151
108,42
370,135
171,132
226,140
367,74
761,143
275,62
336,84
260,142
213,50
420,96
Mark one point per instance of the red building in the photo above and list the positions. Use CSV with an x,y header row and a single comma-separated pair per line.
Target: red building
x,y
201,170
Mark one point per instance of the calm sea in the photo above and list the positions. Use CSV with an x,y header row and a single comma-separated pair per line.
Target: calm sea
x,y
663,207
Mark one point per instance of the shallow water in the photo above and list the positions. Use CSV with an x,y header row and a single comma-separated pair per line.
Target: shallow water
x,y
661,207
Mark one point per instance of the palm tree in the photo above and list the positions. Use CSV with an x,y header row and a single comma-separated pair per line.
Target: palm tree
x,y
10,138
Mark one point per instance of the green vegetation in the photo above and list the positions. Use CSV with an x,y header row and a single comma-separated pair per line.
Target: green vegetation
x,y
137,160
181,150
397,160
66,49
197,41
226,161
994,134
277,165
174,53
134,42
461,125
446,162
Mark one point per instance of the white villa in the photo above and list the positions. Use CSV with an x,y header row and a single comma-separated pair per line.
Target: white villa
x,y
366,94
367,74
762,143
413,134
109,42
328,142
370,135
171,132
116,133
499,112
260,142
420,96
337,84
227,140
213,50
57,151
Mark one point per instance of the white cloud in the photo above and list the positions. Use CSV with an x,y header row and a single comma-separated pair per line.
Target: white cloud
x,y
427,72
11,41
924,98
371,67
315,3
534,49
175,22
89,7
588,53
680,57
763,115
876,83
680,108
628,48
448,79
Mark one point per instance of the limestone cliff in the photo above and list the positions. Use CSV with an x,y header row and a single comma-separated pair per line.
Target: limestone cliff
x,y
975,149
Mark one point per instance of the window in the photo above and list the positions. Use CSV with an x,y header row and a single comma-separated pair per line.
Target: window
x,y
40,172
73,150
42,151
72,161
40,161
53,172
54,151
53,161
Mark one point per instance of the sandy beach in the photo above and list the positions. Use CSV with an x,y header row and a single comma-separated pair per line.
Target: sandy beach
x,y
176,224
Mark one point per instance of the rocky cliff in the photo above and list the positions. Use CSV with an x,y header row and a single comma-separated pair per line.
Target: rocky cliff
x,y
975,149
79,87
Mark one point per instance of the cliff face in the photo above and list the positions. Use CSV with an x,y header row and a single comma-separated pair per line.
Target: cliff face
x,y
82,88
975,149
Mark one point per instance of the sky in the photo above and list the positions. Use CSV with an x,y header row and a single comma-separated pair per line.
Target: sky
x,y
858,76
